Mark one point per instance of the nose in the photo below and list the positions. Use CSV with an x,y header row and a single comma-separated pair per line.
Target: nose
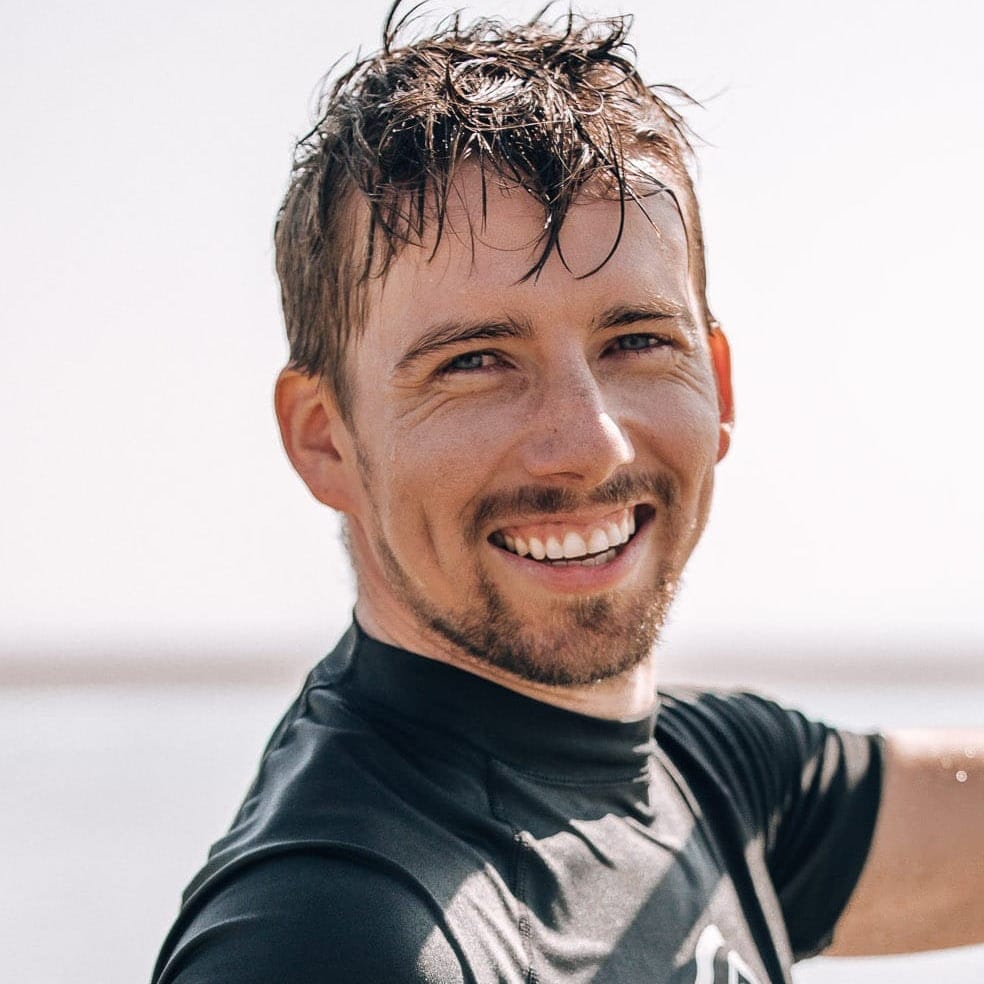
x,y
572,434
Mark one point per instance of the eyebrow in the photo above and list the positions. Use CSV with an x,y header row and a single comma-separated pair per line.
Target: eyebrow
x,y
655,309
448,333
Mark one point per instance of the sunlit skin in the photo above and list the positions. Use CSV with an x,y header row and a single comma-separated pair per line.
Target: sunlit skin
x,y
484,406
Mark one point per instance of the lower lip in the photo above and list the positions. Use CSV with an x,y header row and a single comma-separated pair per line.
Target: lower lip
x,y
576,578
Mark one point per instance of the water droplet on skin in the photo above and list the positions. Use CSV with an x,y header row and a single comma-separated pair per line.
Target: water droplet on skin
x,y
970,752
946,762
961,776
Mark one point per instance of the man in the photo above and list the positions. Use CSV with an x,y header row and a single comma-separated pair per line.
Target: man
x,y
504,374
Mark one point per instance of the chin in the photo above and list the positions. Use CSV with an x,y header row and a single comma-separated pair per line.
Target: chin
x,y
594,639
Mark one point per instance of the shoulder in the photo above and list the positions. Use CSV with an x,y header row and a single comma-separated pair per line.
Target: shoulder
x,y
806,793
785,773
307,918
714,714
736,731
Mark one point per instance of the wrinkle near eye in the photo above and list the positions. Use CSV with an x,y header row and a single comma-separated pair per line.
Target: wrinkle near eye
x,y
420,410
694,373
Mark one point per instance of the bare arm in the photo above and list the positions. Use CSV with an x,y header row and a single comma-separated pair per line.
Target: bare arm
x,y
923,885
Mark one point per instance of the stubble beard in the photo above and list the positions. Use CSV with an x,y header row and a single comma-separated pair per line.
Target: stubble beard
x,y
590,640
583,641
580,641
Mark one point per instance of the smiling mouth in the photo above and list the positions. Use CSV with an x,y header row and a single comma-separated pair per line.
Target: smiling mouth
x,y
563,544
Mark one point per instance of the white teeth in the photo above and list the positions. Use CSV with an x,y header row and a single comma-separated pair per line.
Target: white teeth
x,y
600,559
597,542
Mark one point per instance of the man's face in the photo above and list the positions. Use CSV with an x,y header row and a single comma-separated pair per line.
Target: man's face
x,y
535,458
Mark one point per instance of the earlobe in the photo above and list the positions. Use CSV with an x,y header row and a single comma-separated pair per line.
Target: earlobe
x,y
315,437
721,362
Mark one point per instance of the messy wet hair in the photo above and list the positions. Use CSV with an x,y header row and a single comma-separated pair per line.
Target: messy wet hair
x,y
549,105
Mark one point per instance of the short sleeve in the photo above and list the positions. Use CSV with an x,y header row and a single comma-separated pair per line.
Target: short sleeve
x,y
806,792
311,919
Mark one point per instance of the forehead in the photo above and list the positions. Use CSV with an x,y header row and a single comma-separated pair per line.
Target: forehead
x,y
477,264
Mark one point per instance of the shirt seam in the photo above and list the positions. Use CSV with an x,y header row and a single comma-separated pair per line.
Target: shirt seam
x,y
520,852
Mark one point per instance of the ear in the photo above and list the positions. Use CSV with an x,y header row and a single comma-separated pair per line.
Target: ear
x,y
316,438
721,361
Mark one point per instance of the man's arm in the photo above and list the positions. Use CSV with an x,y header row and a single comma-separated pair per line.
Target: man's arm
x,y
922,887
312,919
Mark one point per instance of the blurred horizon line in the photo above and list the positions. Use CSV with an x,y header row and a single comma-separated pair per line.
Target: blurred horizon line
x,y
747,661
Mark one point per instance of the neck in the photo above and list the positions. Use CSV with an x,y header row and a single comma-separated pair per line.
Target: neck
x,y
625,697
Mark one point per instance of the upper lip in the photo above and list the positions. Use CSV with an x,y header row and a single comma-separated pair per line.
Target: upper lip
x,y
580,518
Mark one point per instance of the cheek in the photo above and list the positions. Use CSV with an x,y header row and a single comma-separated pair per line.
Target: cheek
x,y
680,426
685,443
433,471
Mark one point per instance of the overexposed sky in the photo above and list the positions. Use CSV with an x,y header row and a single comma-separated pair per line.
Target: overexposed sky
x,y
144,498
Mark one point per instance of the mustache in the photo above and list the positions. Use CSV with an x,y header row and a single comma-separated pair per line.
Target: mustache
x,y
619,490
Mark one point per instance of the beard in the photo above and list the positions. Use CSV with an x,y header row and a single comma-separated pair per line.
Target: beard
x,y
592,639
576,641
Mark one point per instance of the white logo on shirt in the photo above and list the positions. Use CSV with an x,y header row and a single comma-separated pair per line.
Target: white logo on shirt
x,y
715,966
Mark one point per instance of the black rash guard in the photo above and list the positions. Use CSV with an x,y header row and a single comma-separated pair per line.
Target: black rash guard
x,y
412,822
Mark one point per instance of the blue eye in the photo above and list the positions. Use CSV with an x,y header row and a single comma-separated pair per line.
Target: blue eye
x,y
637,342
470,362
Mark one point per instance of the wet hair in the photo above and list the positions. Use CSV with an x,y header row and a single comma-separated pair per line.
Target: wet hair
x,y
548,105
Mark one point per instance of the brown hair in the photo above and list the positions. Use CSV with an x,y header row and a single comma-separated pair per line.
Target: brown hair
x,y
548,105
